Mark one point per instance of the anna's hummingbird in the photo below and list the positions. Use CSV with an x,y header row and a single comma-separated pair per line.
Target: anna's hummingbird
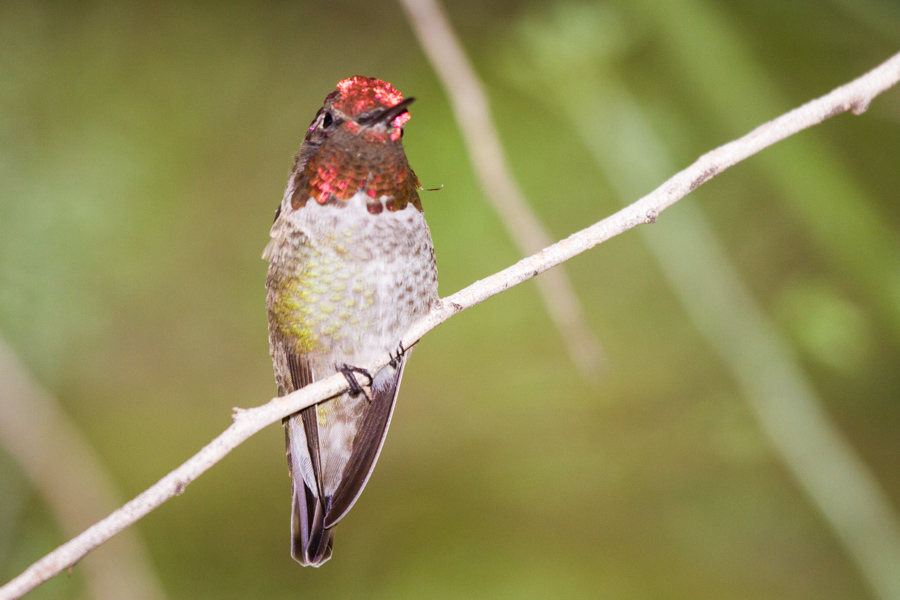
x,y
351,267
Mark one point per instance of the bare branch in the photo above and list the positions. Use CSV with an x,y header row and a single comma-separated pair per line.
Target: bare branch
x,y
750,346
473,117
854,96
75,486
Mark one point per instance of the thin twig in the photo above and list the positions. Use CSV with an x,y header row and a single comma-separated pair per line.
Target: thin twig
x,y
70,477
470,108
854,96
783,399
832,206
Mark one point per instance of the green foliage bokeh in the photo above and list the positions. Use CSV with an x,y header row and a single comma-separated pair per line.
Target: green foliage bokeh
x,y
145,146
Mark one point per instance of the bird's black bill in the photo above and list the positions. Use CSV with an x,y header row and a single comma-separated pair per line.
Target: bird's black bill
x,y
388,114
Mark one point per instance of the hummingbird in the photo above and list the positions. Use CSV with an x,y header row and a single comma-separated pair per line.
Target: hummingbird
x,y
351,267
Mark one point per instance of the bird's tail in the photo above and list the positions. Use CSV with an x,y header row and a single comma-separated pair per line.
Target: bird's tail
x,y
310,542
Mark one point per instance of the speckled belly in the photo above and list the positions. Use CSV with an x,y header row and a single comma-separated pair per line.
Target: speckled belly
x,y
323,304
345,284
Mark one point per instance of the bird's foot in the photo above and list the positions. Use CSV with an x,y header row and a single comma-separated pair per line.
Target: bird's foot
x,y
348,372
395,360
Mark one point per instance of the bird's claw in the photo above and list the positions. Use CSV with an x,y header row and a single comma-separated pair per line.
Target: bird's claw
x,y
348,372
395,360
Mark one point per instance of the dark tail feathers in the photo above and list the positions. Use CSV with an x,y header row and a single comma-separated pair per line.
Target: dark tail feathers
x,y
310,542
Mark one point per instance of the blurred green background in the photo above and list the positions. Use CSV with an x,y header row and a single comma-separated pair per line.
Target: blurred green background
x,y
145,146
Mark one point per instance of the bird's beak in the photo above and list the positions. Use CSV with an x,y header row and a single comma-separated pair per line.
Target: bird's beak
x,y
388,114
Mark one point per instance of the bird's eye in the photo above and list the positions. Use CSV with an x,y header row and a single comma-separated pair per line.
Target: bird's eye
x,y
327,120
401,132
